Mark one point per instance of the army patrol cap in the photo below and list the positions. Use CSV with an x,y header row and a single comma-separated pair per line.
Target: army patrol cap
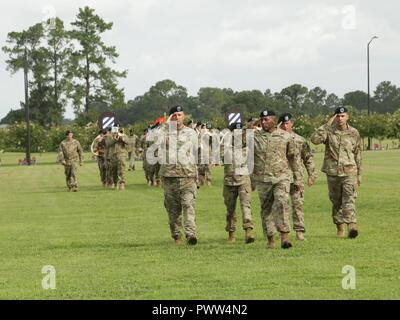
x,y
286,117
175,109
237,125
267,113
341,110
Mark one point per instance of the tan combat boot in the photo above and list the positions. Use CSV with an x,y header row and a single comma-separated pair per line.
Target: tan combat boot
x,y
300,235
340,230
271,243
231,238
177,240
285,243
122,186
249,237
353,232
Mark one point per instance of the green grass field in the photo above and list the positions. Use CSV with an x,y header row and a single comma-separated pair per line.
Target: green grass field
x,y
116,245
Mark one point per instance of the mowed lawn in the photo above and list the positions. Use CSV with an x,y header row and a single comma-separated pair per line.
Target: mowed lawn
x,y
108,244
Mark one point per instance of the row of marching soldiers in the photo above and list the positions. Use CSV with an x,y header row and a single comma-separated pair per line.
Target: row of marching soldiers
x,y
112,149
151,171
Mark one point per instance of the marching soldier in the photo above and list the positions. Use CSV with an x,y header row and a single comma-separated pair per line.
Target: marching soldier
x,y
306,158
100,149
275,167
131,148
237,184
179,173
70,153
108,155
342,165
118,160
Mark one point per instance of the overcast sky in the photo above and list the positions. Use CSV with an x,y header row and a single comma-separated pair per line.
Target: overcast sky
x,y
253,44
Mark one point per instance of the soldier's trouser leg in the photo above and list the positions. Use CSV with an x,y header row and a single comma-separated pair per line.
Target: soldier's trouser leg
x,y
156,172
230,194
280,207
342,193
274,207
109,173
297,198
208,173
188,190
265,193
70,175
102,169
180,195
114,171
132,161
335,195
121,170
245,205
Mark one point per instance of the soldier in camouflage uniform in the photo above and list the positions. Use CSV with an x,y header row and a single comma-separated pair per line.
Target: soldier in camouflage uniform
x,y
108,155
342,165
70,153
142,148
307,159
119,158
100,148
179,173
237,183
152,169
131,148
205,139
275,167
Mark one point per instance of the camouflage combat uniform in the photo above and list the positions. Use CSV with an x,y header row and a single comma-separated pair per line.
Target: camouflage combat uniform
x,y
119,157
204,171
237,184
275,167
342,164
151,170
71,152
100,147
305,158
131,149
179,173
108,155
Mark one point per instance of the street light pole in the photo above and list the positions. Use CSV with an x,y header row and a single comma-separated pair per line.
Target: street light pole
x,y
369,93
28,127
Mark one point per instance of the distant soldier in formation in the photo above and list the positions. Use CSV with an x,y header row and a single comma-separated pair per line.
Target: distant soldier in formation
x,y
307,159
108,155
179,177
237,184
119,158
131,148
100,150
275,168
205,143
342,165
252,124
151,170
70,154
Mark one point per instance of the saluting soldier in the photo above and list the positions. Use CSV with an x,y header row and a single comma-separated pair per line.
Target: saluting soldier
x,y
342,165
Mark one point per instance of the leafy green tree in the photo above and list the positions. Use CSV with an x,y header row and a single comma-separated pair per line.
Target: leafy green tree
x,y
92,80
386,98
357,99
294,96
